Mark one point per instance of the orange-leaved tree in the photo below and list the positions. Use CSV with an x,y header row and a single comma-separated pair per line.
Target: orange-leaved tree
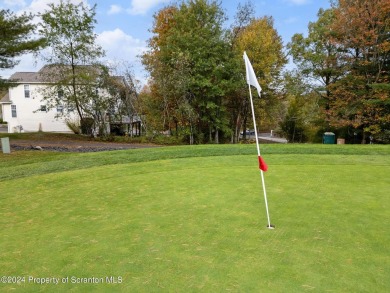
x,y
361,98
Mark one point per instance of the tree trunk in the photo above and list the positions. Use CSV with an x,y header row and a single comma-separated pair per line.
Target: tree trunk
x,y
244,128
237,130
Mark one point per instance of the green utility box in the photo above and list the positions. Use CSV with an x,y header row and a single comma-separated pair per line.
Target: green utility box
x,y
328,138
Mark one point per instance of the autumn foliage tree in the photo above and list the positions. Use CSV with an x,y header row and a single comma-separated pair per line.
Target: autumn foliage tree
x,y
361,99
186,61
197,70
161,93
264,47
347,50
318,59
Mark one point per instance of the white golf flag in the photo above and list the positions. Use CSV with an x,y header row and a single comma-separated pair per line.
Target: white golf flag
x,y
250,74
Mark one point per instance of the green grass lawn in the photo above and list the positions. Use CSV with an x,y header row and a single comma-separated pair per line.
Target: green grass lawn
x,y
191,219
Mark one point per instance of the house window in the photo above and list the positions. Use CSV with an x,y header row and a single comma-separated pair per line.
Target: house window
x,y
13,110
60,109
43,108
26,91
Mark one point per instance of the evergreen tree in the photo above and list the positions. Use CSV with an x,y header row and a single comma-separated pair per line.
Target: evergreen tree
x,y
16,39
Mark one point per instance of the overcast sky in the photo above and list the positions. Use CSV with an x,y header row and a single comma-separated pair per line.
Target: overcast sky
x,y
123,25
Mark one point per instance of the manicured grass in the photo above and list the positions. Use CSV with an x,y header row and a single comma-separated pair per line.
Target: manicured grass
x,y
190,219
21,164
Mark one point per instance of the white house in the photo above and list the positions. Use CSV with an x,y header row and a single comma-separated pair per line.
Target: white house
x,y
24,110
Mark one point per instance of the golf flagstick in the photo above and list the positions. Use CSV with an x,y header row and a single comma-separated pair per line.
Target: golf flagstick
x,y
258,153
252,80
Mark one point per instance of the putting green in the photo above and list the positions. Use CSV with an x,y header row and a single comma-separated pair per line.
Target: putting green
x,y
199,224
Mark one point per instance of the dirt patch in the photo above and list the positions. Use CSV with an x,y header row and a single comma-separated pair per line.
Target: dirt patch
x,y
73,145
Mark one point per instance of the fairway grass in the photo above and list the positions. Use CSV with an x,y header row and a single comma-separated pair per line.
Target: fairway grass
x,y
192,219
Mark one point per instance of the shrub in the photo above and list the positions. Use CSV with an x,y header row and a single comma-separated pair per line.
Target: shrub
x,y
86,125
73,125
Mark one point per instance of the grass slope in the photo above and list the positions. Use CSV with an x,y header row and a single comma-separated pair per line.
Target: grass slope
x,y
190,219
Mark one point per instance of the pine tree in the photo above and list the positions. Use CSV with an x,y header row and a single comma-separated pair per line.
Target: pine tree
x,y
16,39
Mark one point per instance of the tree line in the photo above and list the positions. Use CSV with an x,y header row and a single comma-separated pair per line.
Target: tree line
x,y
345,62
197,91
197,88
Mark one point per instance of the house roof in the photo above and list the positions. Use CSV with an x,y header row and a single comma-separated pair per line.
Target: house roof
x,y
48,73
26,77
43,75
5,99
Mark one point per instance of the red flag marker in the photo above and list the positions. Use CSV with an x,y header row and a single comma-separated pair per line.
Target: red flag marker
x,y
262,164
